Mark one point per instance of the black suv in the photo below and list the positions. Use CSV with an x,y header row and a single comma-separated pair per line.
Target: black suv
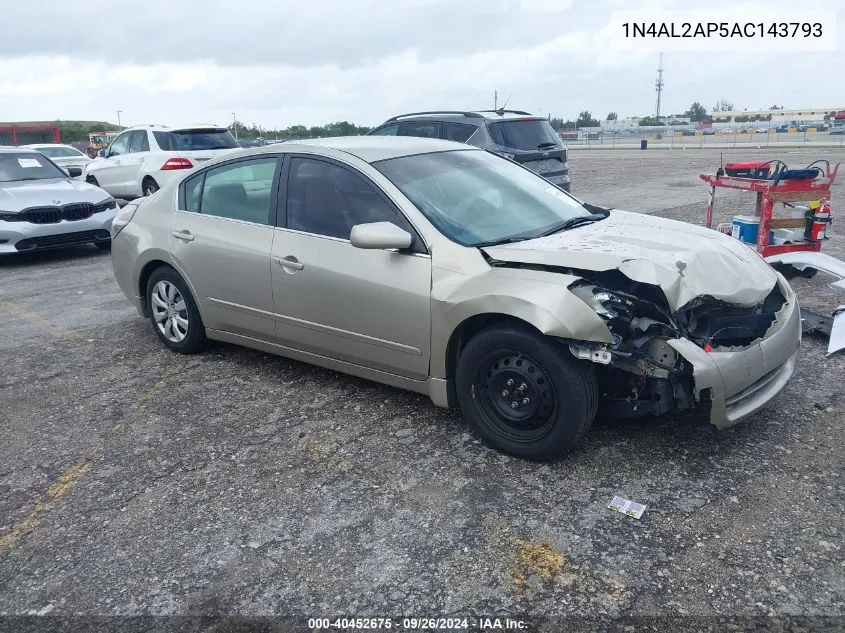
x,y
520,136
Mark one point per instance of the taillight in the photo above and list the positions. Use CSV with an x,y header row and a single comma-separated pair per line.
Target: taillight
x,y
177,163
122,218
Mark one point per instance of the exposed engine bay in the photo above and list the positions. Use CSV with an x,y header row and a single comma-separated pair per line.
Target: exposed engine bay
x,y
639,373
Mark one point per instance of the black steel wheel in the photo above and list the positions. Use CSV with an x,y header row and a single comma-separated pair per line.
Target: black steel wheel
x,y
525,394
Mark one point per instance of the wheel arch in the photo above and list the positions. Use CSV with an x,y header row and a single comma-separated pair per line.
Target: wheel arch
x,y
146,272
468,328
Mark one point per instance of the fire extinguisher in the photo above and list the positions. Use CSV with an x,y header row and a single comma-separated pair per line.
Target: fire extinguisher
x,y
821,220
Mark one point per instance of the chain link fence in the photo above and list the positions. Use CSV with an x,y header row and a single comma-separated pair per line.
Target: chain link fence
x,y
684,137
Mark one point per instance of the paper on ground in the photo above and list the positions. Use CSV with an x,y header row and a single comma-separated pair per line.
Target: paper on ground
x,y
837,331
626,506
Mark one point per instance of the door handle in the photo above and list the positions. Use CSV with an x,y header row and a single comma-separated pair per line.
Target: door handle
x,y
289,262
183,235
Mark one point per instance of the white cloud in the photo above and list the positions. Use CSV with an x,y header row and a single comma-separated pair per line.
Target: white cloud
x,y
283,63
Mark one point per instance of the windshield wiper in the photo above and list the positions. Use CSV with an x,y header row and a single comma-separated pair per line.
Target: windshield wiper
x,y
504,240
571,223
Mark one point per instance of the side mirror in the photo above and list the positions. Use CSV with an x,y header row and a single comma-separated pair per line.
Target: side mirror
x,y
101,153
74,172
379,235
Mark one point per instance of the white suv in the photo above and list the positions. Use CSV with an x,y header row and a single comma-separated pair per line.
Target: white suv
x,y
145,158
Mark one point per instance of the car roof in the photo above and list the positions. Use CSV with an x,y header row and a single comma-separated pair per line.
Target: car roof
x,y
8,149
169,128
40,145
473,117
373,148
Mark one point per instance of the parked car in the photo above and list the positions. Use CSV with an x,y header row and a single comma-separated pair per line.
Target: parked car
x,y
447,270
62,155
517,135
42,207
145,158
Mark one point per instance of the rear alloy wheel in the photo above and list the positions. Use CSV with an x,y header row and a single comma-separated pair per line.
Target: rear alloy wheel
x,y
173,313
150,187
525,394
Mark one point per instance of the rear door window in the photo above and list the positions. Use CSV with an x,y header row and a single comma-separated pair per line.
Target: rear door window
x,y
425,129
457,132
524,134
139,142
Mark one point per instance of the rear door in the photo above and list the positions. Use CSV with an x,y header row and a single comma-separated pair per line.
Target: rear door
x,y
221,237
533,142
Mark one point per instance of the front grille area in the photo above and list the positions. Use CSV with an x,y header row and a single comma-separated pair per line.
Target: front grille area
x,y
54,215
63,239
721,324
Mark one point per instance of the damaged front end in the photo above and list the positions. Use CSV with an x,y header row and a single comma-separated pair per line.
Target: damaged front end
x,y
643,372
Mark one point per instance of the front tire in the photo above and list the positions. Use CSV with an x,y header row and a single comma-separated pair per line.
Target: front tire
x,y
525,394
105,245
173,312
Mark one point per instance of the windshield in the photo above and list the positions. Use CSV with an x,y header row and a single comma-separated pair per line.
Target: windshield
x,y
474,197
60,152
27,166
524,134
193,140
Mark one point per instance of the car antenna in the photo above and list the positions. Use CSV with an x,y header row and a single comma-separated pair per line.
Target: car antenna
x,y
501,111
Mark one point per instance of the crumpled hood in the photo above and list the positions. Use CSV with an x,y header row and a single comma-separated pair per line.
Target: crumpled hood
x,y
17,196
686,261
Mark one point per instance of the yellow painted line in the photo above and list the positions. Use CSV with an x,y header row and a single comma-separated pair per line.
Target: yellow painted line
x,y
36,320
49,500
160,384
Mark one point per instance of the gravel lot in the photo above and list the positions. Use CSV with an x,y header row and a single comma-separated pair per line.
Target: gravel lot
x,y
136,481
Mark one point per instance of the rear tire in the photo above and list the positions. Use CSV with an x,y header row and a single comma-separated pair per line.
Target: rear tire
x,y
525,394
149,187
173,312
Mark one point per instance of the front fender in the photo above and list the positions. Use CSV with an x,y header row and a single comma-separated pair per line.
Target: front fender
x,y
540,298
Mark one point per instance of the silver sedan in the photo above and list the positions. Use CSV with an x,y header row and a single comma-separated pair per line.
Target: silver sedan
x,y
445,269
42,207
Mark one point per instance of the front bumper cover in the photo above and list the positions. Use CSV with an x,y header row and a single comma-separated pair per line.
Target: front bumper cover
x,y
743,381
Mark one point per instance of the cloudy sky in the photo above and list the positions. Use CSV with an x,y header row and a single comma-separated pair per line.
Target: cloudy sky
x,y
279,63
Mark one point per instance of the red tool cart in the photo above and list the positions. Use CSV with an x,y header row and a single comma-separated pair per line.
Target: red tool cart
x,y
774,183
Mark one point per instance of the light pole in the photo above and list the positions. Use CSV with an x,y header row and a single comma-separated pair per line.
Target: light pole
x,y
235,124
118,118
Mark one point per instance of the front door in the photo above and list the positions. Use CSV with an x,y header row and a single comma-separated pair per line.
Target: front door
x,y
108,169
221,239
367,307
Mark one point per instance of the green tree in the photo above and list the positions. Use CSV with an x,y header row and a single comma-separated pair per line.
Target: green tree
x,y
723,105
585,119
611,116
696,112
